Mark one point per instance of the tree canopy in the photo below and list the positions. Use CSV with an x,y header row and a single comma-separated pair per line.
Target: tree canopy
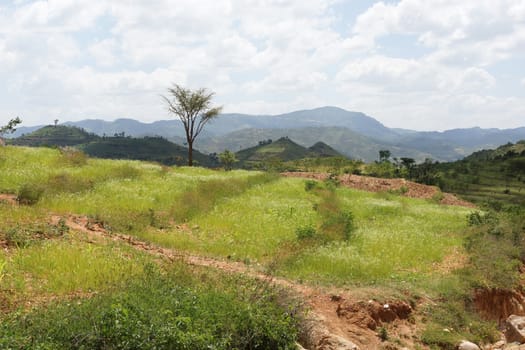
x,y
194,110
9,127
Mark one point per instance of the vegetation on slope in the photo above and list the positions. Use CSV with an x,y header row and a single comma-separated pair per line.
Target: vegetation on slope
x,y
271,154
62,289
55,135
490,175
155,149
383,241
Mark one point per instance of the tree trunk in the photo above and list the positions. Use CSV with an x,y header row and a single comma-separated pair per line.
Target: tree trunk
x,y
190,153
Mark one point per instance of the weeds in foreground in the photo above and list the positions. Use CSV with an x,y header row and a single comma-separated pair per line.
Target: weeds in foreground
x,y
162,310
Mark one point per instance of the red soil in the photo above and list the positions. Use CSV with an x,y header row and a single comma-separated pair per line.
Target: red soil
x,y
374,184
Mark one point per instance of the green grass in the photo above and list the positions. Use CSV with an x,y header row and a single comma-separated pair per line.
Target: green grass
x,y
251,225
247,216
61,267
394,243
397,239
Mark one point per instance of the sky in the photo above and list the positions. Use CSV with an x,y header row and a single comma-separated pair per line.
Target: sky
x,y
415,64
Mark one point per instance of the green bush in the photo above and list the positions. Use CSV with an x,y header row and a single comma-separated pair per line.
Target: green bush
x,y
305,232
383,334
339,225
30,194
310,185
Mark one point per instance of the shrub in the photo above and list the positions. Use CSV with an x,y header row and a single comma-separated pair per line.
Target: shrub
x,y
310,185
30,194
339,225
26,235
477,219
332,182
383,334
305,232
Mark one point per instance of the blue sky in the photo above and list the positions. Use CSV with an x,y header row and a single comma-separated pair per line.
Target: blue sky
x,y
417,64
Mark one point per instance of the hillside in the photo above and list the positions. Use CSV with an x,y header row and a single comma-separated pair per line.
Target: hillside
x,y
155,149
282,150
55,135
487,175
135,253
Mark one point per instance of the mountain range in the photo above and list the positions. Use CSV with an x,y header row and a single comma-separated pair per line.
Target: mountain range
x,y
353,134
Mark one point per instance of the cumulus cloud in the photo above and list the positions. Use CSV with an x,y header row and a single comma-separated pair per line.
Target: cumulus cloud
x,y
79,59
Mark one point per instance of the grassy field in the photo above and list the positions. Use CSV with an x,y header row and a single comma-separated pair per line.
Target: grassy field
x,y
246,216
315,233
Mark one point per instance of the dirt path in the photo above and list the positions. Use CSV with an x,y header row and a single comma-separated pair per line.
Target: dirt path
x,y
375,184
8,198
337,320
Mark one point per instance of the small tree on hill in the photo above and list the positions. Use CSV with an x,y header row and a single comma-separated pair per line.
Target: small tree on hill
x,y
227,159
194,110
10,127
384,155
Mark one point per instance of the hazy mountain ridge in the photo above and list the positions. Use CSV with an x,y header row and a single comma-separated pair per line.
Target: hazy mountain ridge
x,y
345,141
354,134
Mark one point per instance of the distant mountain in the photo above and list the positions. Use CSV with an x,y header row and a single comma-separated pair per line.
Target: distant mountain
x,y
457,143
345,141
131,127
321,149
284,149
23,130
355,134
229,122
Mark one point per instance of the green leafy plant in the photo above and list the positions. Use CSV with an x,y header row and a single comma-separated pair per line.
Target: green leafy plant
x,y
310,185
305,232
30,194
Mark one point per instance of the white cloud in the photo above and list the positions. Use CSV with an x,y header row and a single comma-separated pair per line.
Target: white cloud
x,y
470,31
104,52
79,59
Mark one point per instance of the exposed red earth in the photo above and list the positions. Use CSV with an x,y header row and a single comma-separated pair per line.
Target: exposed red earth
x,y
374,184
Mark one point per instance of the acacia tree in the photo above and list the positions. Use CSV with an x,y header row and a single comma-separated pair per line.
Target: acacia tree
x,y
227,158
194,110
9,127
